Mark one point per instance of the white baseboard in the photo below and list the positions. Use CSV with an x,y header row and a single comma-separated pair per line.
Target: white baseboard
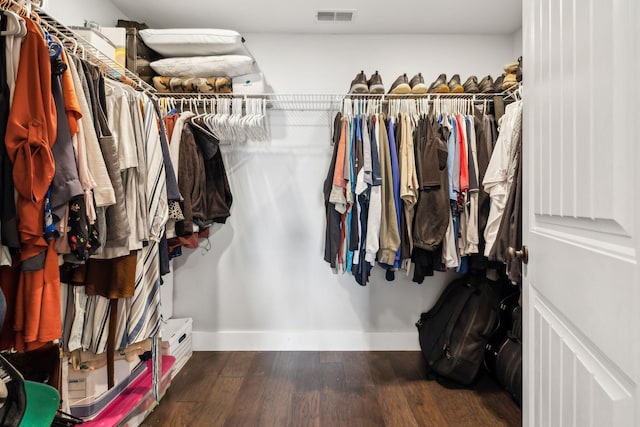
x,y
305,341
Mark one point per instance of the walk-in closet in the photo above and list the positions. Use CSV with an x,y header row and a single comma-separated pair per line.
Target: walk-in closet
x,y
319,214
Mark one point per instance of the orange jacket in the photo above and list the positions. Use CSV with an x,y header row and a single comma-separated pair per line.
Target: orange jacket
x,y
31,132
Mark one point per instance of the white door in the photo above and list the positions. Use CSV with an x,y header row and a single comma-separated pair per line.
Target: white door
x,y
582,208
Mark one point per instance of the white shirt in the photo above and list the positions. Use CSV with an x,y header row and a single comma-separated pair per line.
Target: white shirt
x,y
500,172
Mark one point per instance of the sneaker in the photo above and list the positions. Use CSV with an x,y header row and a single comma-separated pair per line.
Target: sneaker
x,y
510,80
417,84
359,84
497,85
486,85
440,85
454,84
375,83
471,85
400,86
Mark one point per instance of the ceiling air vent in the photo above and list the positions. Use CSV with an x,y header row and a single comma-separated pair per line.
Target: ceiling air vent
x,y
335,15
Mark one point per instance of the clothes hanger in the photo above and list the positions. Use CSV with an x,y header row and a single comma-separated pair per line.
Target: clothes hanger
x,y
15,25
247,122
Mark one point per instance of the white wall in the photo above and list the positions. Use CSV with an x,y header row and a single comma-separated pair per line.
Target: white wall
x,y
264,284
328,63
73,12
517,43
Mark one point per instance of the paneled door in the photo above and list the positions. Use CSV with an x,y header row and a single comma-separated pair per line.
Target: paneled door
x,y
581,134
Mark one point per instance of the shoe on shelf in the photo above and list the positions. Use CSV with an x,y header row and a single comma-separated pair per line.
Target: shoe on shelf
x,y
471,85
400,86
439,85
510,80
375,84
511,67
519,70
359,84
486,85
497,85
417,84
454,84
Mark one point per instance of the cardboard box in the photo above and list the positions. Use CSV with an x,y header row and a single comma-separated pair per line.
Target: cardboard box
x,y
118,37
91,384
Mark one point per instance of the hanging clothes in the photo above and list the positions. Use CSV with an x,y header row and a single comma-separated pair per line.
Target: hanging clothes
x,y
407,190
501,170
332,230
9,60
30,135
510,230
389,228
487,135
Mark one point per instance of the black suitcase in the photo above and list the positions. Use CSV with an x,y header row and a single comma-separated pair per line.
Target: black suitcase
x,y
453,334
503,354
509,368
507,306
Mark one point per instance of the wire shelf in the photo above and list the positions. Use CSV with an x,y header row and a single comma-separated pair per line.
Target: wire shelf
x,y
73,42
325,101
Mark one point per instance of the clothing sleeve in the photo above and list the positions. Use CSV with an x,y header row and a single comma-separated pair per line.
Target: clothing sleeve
x,y
103,192
31,132
72,106
191,179
31,129
156,183
389,232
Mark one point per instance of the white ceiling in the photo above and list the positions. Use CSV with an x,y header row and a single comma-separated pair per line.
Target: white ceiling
x,y
291,16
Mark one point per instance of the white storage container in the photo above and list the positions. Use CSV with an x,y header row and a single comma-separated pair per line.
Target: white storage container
x,y
249,84
97,40
177,341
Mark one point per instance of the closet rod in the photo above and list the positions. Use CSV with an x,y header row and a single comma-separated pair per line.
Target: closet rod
x,y
323,97
318,102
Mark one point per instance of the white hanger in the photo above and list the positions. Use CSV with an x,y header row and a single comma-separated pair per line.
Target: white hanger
x,y
15,25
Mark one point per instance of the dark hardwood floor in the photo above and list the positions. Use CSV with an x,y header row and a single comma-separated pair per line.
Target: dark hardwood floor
x,y
327,389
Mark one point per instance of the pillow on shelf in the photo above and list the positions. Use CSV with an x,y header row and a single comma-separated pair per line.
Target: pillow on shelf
x,y
192,41
204,66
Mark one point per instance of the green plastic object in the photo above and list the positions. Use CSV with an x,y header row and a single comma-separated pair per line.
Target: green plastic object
x,y
42,405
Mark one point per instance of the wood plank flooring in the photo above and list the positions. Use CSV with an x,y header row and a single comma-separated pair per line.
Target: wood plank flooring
x,y
324,389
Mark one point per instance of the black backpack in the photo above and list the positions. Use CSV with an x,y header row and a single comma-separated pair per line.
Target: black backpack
x,y
453,334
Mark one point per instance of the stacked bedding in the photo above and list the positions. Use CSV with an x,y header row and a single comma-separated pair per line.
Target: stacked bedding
x,y
139,55
197,60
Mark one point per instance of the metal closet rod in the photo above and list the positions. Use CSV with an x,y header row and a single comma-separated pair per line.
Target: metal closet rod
x,y
323,102
324,97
